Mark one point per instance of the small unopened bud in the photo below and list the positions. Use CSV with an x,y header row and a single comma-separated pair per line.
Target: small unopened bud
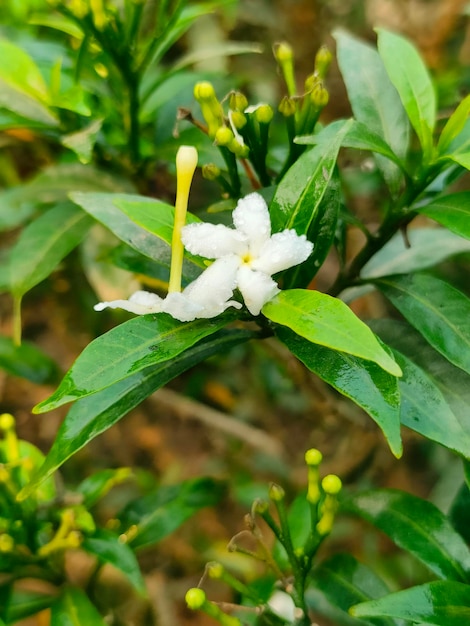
x,y
322,61
238,119
204,91
223,136
331,484
7,543
259,507
195,598
186,160
237,101
210,171
239,149
264,114
7,422
287,107
283,52
319,96
311,82
276,492
215,570
313,457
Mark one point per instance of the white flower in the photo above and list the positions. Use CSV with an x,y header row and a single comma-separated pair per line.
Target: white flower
x,y
248,255
205,297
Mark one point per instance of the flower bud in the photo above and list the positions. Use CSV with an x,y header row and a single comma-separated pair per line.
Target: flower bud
x,y
322,61
331,484
210,171
186,160
238,119
240,150
287,107
319,96
223,136
237,101
313,457
7,543
7,422
195,598
215,570
276,492
204,91
283,52
264,114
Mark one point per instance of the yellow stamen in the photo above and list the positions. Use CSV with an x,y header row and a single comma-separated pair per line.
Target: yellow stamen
x,y
186,162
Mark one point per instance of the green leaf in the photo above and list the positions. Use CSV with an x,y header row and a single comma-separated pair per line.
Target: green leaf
x,y
44,243
417,526
96,486
91,416
298,196
452,211
369,386
454,126
440,602
458,513
107,547
327,321
83,141
27,361
413,83
53,185
322,231
73,608
23,603
25,106
429,246
158,514
437,310
154,245
128,349
20,71
340,582
374,101
462,158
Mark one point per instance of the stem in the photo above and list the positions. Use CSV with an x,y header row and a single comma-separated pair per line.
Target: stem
x,y
17,319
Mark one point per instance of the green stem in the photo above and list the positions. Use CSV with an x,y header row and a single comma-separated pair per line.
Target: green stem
x,y
17,319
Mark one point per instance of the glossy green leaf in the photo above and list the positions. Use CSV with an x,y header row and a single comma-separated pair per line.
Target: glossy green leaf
x,y
437,310
359,137
73,608
96,486
411,79
324,320
83,141
452,211
462,158
20,71
459,512
107,547
153,244
53,185
126,258
322,231
158,514
417,526
452,382
23,603
374,101
25,106
128,349
429,246
339,583
298,196
44,243
455,125
91,416
443,603
27,361
58,22
369,386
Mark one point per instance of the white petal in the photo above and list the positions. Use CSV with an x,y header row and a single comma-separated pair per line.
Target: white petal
x,y
251,218
282,251
140,303
256,288
212,240
181,307
213,288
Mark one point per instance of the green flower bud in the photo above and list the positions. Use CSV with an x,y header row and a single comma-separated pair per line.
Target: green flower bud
x,y
210,171
276,492
7,543
195,598
204,91
319,96
331,484
223,136
239,149
238,119
237,101
283,52
215,570
311,82
259,507
287,106
264,114
313,457
7,422
322,61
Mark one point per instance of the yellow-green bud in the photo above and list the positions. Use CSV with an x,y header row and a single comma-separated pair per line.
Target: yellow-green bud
x,y
325,525
215,570
195,598
311,82
322,61
239,149
259,506
7,543
287,106
74,539
186,160
238,119
276,492
204,91
313,457
223,136
7,422
210,171
283,52
237,101
264,114
331,484
319,96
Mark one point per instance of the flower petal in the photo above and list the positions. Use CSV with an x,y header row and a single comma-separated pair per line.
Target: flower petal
x,y
213,288
140,303
251,218
212,240
181,307
281,251
256,288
